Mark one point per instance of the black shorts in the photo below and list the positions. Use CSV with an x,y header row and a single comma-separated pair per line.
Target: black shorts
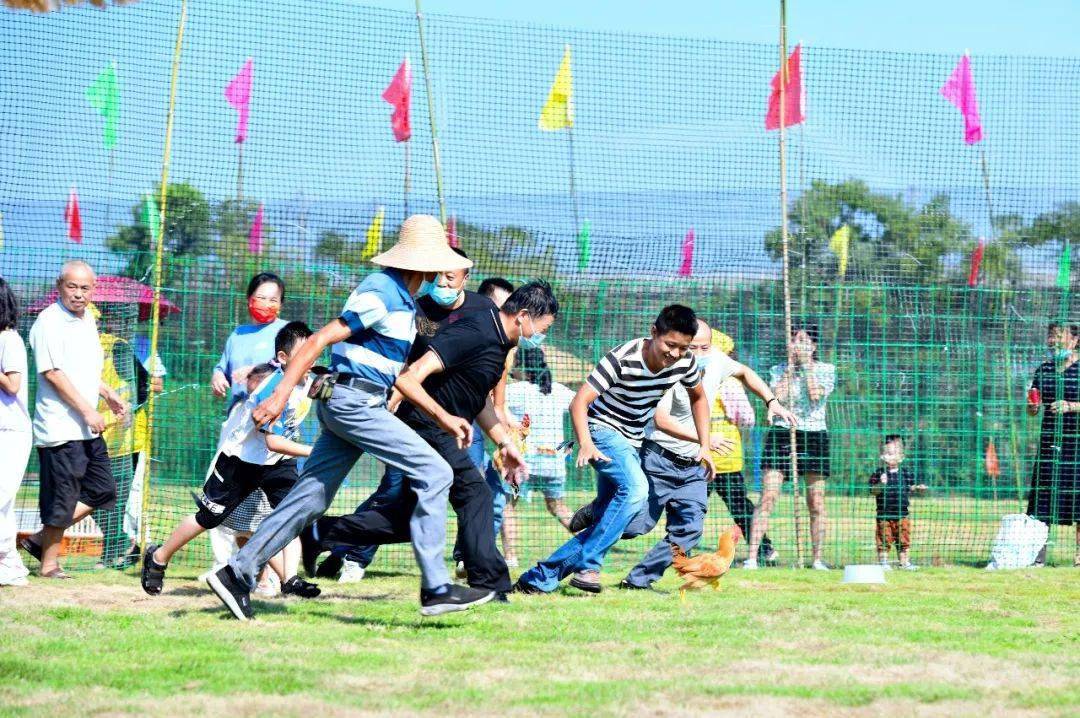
x,y
72,472
231,480
813,451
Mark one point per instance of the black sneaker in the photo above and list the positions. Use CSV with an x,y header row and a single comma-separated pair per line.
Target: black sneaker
x,y
310,548
501,597
627,586
232,592
153,573
330,567
31,547
582,519
526,589
297,586
457,598
131,558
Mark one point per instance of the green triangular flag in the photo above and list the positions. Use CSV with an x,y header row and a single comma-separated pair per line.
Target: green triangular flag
x,y
104,95
151,219
1065,266
583,247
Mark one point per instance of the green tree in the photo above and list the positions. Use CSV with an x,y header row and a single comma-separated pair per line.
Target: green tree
x,y
187,230
889,238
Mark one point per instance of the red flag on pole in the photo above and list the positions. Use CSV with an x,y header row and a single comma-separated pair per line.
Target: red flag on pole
x,y
255,245
238,93
687,267
993,466
72,217
976,262
398,93
794,110
451,232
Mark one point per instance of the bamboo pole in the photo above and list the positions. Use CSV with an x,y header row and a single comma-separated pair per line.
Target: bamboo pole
x,y
159,250
787,274
431,115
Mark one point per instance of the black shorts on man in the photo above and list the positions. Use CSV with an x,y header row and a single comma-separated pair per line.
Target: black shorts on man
x,y
72,472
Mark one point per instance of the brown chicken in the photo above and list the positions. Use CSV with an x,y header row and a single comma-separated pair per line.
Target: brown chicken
x,y
706,569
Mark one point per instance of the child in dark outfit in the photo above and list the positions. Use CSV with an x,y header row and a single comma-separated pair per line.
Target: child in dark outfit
x,y
892,487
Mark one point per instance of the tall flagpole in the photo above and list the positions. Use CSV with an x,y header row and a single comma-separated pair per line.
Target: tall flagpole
x,y
787,272
408,177
155,312
570,146
431,115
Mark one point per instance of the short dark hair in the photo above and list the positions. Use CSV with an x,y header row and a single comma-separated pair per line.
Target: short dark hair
x,y
536,298
810,329
489,285
262,369
289,335
530,361
262,278
1073,329
9,307
461,253
676,318
892,438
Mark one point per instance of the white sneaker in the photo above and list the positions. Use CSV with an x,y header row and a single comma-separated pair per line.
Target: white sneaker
x,y
512,562
351,572
267,590
885,566
909,567
820,565
14,581
750,564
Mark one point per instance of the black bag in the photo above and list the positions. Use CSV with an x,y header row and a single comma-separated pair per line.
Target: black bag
x,y
322,386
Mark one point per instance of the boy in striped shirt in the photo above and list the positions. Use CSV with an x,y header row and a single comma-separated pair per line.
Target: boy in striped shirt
x,y
610,413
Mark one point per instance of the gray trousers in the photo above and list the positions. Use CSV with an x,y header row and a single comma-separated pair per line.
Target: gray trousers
x,y
683,493
355,421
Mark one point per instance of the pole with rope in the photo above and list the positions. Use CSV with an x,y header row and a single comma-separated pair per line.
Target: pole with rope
x,y
431,115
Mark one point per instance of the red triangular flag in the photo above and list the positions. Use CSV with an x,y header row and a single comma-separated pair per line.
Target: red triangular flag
x,y
72,217
976,262
255,245
451,232
687,267
794,101
397,94
993,466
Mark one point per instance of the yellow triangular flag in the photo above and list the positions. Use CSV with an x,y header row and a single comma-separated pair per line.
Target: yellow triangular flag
x,y
374,236
839,245
558,112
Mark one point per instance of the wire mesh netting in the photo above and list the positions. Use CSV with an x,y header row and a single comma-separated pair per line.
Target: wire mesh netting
x,y
933,302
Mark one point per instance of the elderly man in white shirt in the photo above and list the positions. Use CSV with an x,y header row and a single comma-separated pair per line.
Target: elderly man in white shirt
x,y
76,474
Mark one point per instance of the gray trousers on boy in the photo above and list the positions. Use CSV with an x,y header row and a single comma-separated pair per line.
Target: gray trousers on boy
x,y
355,421
681,491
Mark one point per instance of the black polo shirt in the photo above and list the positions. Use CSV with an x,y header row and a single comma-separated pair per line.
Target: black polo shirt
x,y
473,352
431,317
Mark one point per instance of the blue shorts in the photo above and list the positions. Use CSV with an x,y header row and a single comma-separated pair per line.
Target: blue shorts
x,y
550,486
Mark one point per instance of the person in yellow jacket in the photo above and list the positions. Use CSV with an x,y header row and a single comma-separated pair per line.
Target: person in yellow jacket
x,y
731,413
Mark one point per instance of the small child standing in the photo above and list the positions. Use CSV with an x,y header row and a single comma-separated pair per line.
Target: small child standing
x,y
248,459
892,487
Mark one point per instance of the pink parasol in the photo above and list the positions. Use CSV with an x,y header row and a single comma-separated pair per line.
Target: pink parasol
x,y
121,290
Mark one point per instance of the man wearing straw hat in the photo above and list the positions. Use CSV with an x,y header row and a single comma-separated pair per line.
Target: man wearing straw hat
x,y
369,344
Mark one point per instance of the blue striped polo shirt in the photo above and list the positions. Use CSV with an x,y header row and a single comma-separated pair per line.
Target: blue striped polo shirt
x,y
381,315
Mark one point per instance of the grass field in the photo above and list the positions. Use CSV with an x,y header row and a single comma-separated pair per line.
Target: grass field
x,y
941,642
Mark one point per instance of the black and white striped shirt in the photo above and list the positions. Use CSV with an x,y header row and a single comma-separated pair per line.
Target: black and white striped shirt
x,y
629,391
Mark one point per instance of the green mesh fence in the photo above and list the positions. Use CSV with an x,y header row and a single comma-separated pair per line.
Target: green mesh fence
x,y
668,136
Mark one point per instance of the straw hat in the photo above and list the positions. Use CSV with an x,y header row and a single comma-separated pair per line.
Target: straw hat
x,y
722,342
422,247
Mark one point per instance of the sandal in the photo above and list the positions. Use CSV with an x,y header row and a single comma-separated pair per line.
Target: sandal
x,y
153,573
57,573
31,547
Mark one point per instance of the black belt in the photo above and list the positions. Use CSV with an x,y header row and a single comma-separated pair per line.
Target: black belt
x,y
650,445
358,382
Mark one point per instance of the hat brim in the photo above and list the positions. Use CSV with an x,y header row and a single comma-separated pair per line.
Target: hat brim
x,y
438,260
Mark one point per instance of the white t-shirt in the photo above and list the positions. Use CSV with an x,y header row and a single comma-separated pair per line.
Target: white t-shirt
x,y
14,415
677,403
546,413
242,439
61,340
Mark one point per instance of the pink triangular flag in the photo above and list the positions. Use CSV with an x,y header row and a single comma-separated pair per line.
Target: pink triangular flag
x,y
959,89
238,93
794,110
687,267
72,217
255,244
397,93
451,232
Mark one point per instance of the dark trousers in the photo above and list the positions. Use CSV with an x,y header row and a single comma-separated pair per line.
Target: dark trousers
x,y
387,522
732,491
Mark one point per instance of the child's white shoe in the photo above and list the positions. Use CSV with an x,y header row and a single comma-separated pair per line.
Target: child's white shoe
x,y
750,564
909,567
820,565
885,566
351,572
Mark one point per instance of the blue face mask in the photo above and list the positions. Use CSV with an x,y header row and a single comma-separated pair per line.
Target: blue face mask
x,y
703,361
444,296
532,342
426,287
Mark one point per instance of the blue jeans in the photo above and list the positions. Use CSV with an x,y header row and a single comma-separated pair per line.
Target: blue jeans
x,y
621,492
390,489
